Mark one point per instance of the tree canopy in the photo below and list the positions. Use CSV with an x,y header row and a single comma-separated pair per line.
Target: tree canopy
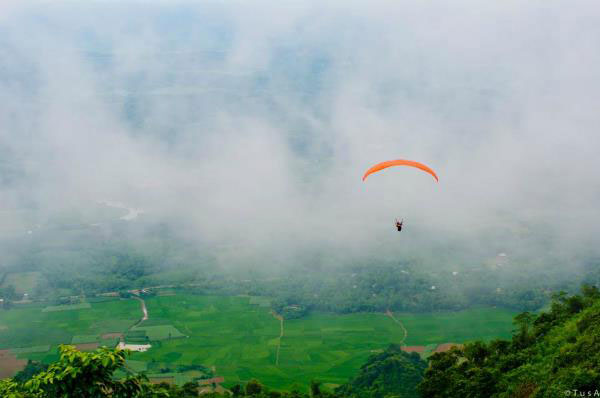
x,y
549,354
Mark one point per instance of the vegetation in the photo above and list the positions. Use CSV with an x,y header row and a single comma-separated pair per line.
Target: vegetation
x,y
241,339
65,261
79,374
401,286
391,373
60,327
238,338
549,354
31,369
81,285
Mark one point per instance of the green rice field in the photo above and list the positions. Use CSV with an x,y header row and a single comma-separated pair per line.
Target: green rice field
x,y
31,326
238,337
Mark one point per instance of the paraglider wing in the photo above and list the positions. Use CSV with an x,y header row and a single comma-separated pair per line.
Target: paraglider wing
x,y
399,162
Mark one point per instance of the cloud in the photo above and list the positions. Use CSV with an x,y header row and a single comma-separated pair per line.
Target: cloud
x,y
250,124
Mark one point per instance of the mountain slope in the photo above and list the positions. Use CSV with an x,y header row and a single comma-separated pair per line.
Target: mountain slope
x,y
549,354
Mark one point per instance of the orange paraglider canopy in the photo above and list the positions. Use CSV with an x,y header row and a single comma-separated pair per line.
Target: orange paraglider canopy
x,y
399,162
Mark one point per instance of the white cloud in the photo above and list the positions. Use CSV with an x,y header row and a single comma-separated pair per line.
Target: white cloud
x,y
253,122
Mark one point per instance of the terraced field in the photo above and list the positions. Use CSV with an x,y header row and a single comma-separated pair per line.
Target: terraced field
x,y
236,337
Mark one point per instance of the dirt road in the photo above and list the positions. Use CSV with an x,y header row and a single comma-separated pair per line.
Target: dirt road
x,y
389,313
144,311
277,316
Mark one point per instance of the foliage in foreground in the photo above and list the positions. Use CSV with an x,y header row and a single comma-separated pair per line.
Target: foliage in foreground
x,y
91,374
549,355
79,374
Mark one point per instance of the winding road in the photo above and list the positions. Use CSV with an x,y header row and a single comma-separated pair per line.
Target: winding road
x,y
389,313
144,311
277,316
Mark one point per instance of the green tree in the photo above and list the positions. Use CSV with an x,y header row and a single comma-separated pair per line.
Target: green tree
x,y
31,369
253,388
315,389
236,390
9,292
190,389
81,374
548,354
392,372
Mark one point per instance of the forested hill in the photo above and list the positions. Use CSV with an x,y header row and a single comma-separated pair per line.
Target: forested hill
x,y
553,354
390,373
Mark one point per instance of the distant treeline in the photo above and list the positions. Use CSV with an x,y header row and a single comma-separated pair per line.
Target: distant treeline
x,y
90,267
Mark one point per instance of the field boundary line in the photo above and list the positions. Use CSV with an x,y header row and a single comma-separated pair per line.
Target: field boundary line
x,y
391,315
280,318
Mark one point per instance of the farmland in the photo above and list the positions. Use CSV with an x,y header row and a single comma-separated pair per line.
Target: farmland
x,y
240,339
33,326
237,337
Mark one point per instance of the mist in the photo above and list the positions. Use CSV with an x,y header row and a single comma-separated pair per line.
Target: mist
x,y
246,127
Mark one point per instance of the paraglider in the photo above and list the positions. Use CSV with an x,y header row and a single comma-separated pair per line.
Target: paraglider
x,y
399,162
399,224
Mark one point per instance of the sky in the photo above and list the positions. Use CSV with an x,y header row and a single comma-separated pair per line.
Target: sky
x,y
248,125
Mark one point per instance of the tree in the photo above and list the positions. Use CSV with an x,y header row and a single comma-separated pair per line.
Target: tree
x,y
315,389
10,389
9,292
253,387
81,374
236,390
549,353
190,389
523,337
31,369
392,372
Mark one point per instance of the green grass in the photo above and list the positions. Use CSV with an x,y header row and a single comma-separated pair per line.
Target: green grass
x,y
136,366
44,357
110,343
30,326
136,336
457,327
84,338
30,350
182,378
67,307
162,332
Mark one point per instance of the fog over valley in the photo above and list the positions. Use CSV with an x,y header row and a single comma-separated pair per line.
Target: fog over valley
x,y
184,179
242,130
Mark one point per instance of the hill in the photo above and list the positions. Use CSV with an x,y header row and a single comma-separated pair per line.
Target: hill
x,y
391,373
555,353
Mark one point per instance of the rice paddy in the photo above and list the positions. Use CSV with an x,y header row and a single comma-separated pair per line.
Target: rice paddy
x,y
236,337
